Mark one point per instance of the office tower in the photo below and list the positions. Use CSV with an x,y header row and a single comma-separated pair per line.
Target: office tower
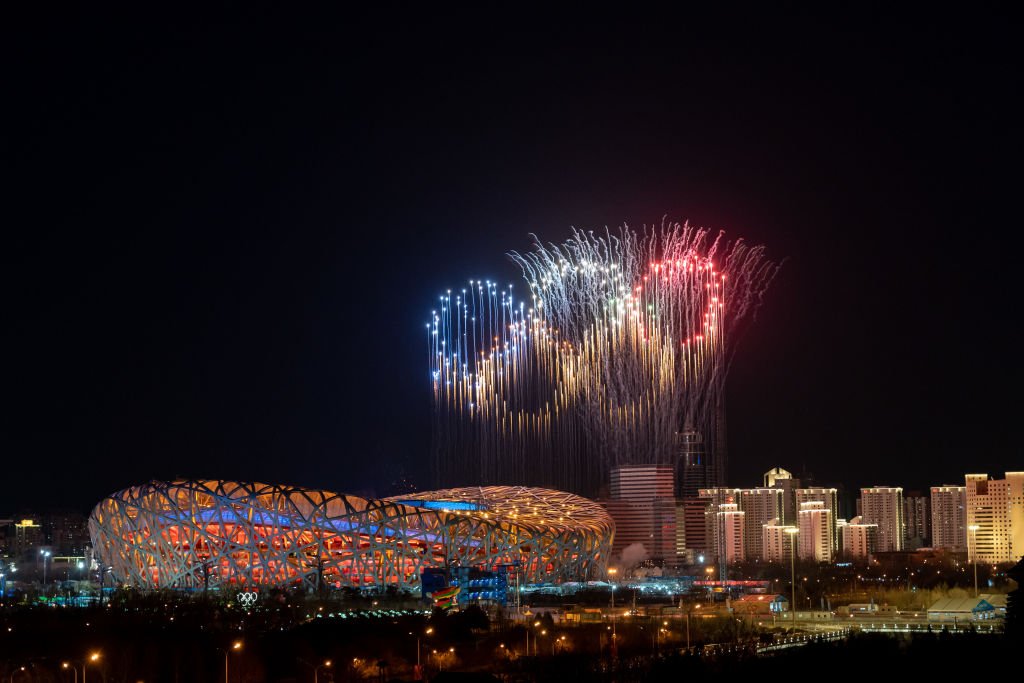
x,y
644,509
883,505
917,520
642,483
949,517
860,539
782,479
693,471
816,539
829,498
995,518
760,506
681,549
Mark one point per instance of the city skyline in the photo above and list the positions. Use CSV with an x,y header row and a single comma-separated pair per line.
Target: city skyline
x,y
221,253
424,345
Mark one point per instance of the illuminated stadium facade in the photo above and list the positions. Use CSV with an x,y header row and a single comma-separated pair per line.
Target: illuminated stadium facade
x,y
189,534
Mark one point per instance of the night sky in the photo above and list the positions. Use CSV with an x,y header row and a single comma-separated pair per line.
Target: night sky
x,y
223,238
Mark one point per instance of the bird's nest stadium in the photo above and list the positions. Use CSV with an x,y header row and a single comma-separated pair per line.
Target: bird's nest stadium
x,y
191,534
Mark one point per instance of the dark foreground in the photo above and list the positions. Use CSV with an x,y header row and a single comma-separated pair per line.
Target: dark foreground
x,y
149,640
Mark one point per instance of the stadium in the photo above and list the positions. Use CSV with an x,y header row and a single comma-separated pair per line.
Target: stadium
x,y
189,534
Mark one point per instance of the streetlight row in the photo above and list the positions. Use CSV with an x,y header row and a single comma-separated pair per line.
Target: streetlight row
x,y
68,665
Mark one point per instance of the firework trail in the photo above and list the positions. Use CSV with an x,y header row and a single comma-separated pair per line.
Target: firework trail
x,y
621,345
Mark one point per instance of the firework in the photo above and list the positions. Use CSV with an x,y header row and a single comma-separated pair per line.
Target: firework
x,y
621,344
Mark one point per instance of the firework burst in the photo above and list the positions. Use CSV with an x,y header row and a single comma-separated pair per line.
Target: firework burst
x,y
621,344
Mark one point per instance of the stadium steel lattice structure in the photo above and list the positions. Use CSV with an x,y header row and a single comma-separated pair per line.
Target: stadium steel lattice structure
x,y
189,534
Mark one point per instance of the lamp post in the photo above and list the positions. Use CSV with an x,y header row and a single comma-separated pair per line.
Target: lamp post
x,y
46,555
974,553
535,624
94,657
657,637
419,669
792,531
21,669
69,665
316,669
235,647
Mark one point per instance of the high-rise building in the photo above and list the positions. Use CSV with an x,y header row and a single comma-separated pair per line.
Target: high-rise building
x,y
730,523
642,483
776,474
644,509
28,537
6,537
714,499
949,517
760,506
829,498
66,532
664,532
693,472
995,518
917,520
883,505
779,478
816,540
777,542
695,526
680,513
860,539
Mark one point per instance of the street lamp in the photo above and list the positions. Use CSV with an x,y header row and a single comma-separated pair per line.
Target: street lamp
x,y
69,665
974,553
21,669
792,531
235,647
427,632
535,624
46,555
94,657
316,668
443,656
657,638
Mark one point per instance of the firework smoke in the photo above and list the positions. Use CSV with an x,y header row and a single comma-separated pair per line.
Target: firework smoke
x,y
621,344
